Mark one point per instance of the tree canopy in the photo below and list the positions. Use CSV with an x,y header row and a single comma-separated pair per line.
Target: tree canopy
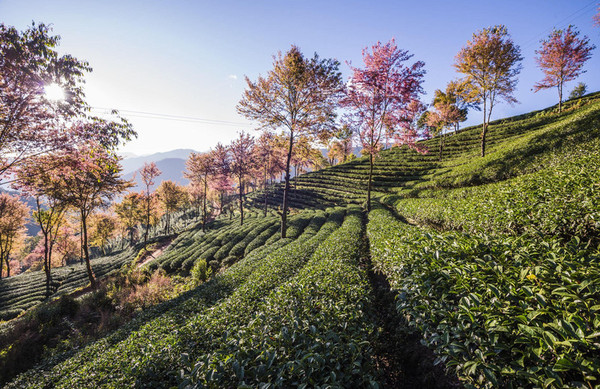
x,y
490,63
30,122
561,58
378,97
299,95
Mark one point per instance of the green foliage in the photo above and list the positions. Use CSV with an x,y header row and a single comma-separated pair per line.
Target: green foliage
x,y
157,360
200,272
563,200
499,312
578,91
313,328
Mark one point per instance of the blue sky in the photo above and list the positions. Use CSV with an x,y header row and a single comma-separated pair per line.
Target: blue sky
x,y
188,59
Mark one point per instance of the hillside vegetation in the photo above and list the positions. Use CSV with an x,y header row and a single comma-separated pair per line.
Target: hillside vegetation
x,y
493,263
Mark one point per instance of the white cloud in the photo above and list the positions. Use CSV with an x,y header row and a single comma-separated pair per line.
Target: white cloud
x,y
232,77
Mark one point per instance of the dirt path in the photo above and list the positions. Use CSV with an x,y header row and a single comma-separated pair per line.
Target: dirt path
x,y
151,255
401,359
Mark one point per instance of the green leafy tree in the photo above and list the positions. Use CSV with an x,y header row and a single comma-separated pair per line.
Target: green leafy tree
x,y
131,212
103,227
445,114
172,197
578,91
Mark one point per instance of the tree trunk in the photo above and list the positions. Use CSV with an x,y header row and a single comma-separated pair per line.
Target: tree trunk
x,y
86,252
167,221
370,181
484,130
295,176
80,244
559,96
7,265
204,204
241,191
265,189
47,263
221,205
286,188
147,216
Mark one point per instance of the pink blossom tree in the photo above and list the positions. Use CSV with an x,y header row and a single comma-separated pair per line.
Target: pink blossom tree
x,y
377,97
36,178
28,118
86,178
264,154
148,172
199,169
221,183
561,58
242,163
13,215
172,197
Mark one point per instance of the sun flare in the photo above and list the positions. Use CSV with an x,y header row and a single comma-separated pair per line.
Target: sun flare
x,y
54,92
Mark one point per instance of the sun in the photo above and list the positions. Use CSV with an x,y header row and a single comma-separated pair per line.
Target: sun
x,y
54,92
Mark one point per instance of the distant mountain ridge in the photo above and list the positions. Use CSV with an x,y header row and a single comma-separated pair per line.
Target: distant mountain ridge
x,y
133,164
171,169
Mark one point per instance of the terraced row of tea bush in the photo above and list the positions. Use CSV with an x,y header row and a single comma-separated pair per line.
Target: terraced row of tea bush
x,y
151,350
224,243
563,199
500,312
229,241
312,330
27,290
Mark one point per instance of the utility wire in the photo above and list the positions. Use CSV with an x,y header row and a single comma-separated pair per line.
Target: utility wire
x,y
163,116
562,23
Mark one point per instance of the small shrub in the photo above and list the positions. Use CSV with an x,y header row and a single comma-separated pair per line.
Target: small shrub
x,y
157,289
201,272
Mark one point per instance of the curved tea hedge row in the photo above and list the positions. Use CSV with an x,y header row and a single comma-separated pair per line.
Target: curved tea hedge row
x,y
563,199
27,290
504,312
226,242
150,352
312,330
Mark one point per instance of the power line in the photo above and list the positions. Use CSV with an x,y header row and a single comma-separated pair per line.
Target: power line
x,y
562,23
164,116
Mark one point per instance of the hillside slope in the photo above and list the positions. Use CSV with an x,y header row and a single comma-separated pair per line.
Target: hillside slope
x,y
492,262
